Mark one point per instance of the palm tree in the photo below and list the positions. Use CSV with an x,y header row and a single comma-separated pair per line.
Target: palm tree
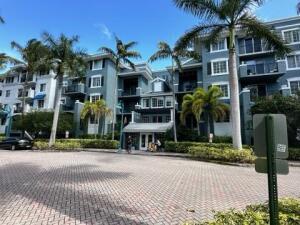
x,y
205,103
165,51
298,8
97,110
65,61
122,56
32,55
228,17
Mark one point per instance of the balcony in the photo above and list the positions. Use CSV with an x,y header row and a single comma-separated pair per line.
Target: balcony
x,y
262,72
130,92
75,89
187,87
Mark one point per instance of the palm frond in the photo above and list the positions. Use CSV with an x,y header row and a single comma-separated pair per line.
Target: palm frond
x,y
193,34
214,35
2,20
130,45
160,54
132,54
207,9
256,28
164,46
107,51
130,63
17,46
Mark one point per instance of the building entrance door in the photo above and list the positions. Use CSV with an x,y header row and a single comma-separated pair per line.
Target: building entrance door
x,y
145,139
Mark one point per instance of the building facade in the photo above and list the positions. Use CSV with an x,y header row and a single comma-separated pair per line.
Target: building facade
x,y
147,94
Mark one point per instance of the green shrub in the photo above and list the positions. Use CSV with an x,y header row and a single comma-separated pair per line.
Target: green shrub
x,y
71,144
294,153
289,214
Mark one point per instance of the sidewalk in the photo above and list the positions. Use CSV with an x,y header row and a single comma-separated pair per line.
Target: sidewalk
x,y
178,155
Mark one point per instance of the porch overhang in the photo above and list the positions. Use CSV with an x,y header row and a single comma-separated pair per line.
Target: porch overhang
x,y
262,78
147,127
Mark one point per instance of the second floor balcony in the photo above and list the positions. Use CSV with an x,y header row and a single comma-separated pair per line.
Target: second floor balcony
x,y
75,89
187,87
264,71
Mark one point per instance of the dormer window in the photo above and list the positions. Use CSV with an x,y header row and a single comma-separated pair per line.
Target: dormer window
x,y
157,86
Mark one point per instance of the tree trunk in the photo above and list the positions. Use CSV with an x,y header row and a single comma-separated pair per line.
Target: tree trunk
x,y
174,100
198,128
23,102
234,94
114,104
208,125
58,92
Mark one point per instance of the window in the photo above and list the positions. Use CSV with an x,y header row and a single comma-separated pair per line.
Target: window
x,y
160,102
146,103
292,36
157,119
293,61
295,86
97,81
9,80
145,119
96,65
41,104
157,86
157,102
169,101
42,87
219,67
93,120
94,98
7,93
63,101
20,93
224,88
168,118
0,93
219,46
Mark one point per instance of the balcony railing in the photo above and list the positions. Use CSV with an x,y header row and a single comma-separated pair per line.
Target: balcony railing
x,y
187,87
75,88
129,92
262,68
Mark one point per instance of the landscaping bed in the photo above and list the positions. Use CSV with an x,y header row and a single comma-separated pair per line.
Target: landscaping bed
x,y
76,144
222,152
289,214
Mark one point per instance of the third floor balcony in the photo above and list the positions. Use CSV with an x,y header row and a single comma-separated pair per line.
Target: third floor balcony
x,y
75,89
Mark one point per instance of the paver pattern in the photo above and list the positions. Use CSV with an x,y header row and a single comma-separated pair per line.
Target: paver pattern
x,y
102,188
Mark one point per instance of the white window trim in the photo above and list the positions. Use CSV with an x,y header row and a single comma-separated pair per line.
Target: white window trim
x,y
96,76
144,107
45,87
223,50
223,83
94,94
93,67
286,61
292,43
292,80
168,97
158,98
218,60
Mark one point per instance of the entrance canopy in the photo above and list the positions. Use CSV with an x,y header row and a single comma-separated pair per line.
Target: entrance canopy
x,y
147,127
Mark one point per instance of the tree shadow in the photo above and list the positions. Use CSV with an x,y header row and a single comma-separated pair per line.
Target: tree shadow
x,y
68,190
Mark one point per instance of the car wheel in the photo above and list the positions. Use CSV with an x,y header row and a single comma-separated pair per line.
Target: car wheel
x,y
12,147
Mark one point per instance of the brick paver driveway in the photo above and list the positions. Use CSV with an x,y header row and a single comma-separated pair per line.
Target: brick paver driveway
x,y
102,188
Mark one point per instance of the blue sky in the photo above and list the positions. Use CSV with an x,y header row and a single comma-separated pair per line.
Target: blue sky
x,y
95,21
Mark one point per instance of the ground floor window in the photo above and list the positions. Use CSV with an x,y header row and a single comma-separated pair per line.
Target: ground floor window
x,y
41,104
295,87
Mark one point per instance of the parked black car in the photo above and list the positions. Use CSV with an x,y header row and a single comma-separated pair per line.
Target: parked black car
x,y
16,141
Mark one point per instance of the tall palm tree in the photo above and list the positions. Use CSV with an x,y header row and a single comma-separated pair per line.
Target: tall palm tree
x,y
122,56
31,54
65,60
205,103
228,17
97,109
165,51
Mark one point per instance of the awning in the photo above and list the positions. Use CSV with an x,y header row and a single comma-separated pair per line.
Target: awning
x,y
39,96
147,127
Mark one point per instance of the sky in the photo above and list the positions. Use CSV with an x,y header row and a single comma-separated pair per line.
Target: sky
x,y
96,22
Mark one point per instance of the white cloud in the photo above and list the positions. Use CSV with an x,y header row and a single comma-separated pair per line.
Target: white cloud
x,y
104,30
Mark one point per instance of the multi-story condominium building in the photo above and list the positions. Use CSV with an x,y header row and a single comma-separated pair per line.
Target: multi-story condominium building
x,y
147,94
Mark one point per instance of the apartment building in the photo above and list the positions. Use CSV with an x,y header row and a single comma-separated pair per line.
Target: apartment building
x,y
147,94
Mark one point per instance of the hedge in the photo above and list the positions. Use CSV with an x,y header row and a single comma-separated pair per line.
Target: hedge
x,y
71,144
289,214
294,153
